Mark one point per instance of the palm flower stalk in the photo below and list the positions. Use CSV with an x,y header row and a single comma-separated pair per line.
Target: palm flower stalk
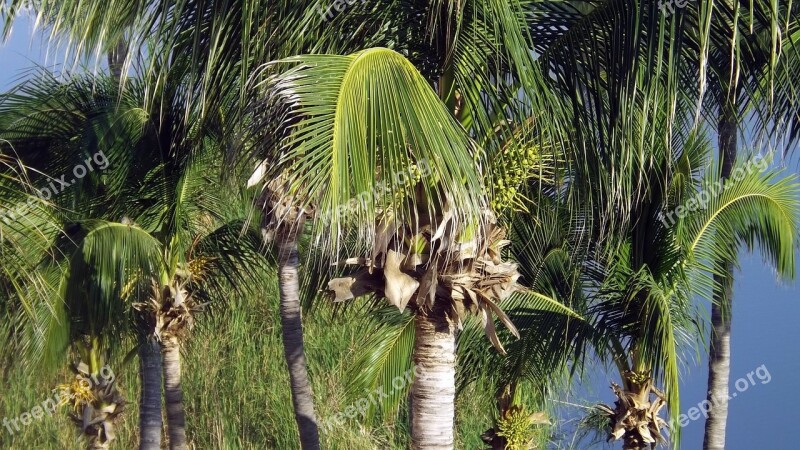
x,y
516,427
96,404
635,417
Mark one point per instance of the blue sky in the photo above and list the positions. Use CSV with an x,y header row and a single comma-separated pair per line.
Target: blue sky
x,y
21,51
765,325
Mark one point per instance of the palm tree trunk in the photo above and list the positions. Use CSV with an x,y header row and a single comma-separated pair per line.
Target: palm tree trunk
x,y
719,362
176,417
292,328
116,59
150,398
434,388
719,354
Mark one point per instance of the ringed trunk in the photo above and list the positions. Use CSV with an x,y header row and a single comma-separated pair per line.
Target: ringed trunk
x,y
292,329
116,59
433,390
150,398
719,362
719,355
173,392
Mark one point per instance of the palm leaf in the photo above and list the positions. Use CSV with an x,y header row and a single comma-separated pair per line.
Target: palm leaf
x,y
383,360
359,123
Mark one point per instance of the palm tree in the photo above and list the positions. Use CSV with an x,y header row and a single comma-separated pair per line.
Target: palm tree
x,y
575,39
210,84
284,222
204,257
452,58
522,168
50,126
454,61
741,82
150,367
730,59
157,179
571,37
98,257
33,302
640,277
434,246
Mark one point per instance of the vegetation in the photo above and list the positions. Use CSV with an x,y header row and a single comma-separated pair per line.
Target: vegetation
x,y
411,223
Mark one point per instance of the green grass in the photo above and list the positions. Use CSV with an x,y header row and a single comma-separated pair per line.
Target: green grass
x,y
236,388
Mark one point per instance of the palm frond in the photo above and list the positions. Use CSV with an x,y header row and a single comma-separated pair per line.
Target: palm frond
x,y
361,126
754,208
103,258
385,359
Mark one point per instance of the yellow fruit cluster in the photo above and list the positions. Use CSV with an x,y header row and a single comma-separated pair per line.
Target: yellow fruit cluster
x,y
198,267
77,393
639,378
404,186
514,166
516,427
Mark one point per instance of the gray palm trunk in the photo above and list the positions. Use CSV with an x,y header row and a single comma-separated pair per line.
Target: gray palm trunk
x,y
719,355
150,398
433,391
173,392
116,59
292,329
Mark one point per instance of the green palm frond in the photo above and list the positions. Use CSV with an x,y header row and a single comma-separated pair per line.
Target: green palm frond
x,y
234,262
745,47
103,258
385,359
788,95
666,320
491,55
757,206
550,313
75,136
28,228
42,337
361,125
207,44
90,268
177,199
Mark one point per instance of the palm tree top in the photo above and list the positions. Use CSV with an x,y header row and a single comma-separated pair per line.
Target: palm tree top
x,y
368,137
